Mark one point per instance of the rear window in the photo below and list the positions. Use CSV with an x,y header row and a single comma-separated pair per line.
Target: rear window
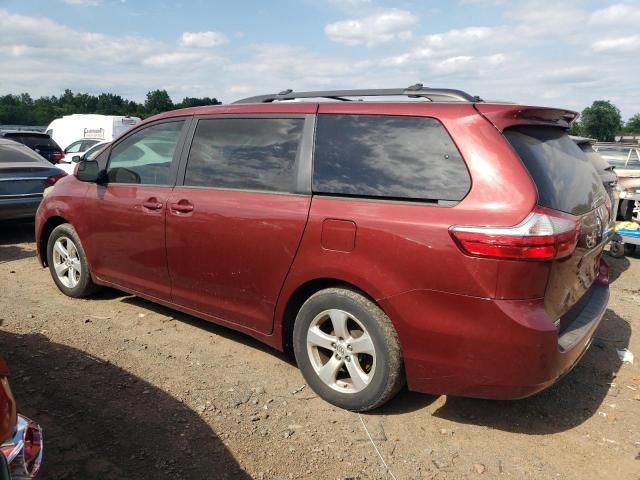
x,y
42,141
564,176
397,157
18,154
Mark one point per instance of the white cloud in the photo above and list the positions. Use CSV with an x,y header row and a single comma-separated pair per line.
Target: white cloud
x,y
621,44
524,55
373,30
173,58
203,39
349,2
616,14
84,3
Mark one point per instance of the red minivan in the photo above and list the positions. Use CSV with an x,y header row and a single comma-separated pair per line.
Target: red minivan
x,y
435,239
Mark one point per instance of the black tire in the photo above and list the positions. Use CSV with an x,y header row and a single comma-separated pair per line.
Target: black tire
x,y
84,286
629,249
616,249
387,377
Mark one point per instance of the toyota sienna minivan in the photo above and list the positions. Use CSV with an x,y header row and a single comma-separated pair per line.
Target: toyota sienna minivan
x,y
425,237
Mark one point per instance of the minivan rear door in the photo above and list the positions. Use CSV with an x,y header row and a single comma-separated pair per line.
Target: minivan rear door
x,y
235,223
568,182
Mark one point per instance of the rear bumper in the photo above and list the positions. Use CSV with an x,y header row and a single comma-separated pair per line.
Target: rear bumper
x,y
16,208
484,348
22,454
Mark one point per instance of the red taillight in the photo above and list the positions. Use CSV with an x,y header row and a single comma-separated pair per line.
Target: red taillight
x,y
57,156
52,180
544,235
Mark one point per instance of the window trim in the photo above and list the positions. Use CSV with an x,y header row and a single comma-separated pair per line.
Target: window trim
x,y
432,202
302,164
177,154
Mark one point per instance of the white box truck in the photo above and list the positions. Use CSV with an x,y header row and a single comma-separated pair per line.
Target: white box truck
x,y
70,128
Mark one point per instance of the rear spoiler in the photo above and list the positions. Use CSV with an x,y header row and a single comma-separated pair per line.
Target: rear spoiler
x,y
503,116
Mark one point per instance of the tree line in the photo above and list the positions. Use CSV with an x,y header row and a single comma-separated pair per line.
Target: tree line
x,y
23,110
603,122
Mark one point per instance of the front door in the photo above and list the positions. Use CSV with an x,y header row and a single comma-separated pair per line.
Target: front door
x,y
234,227
126,234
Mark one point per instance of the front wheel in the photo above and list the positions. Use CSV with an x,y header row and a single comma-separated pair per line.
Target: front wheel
x,y
68,263
348,350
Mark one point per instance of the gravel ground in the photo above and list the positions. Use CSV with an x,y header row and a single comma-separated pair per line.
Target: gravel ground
x,y
127,389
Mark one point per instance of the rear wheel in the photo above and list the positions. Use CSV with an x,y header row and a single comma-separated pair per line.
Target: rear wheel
x,y
68,263
348,350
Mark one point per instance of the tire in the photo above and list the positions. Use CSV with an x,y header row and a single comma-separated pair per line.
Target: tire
x,y
348,350
68,263
629,249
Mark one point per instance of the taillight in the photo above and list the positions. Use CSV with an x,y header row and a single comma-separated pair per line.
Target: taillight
x,y
544,235
57,156
53,179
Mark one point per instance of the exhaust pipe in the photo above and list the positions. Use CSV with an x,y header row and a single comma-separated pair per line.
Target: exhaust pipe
x,y
22,455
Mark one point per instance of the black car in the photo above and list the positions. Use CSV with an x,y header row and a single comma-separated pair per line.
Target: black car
x,y
23,177
39,142
604,169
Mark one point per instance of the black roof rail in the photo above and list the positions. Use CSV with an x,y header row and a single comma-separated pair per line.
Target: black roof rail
x,y
414,91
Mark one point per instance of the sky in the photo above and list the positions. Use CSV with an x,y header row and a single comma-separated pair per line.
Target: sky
x,y
563,53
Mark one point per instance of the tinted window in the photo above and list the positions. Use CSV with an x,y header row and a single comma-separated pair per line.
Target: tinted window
x,y
246,153
18,154
145,157
387,156
564,176
38,141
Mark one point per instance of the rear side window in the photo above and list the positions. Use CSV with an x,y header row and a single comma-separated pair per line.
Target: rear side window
x,y
387,156
18,154
38,141
245,153
564,176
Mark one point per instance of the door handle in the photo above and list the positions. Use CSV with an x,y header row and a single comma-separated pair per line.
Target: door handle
x,y
183,206
152,204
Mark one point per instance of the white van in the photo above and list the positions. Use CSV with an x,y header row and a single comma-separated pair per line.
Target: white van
x,y
70,128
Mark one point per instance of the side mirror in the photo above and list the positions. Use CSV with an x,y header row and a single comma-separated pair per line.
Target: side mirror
x,y
90,171
75,158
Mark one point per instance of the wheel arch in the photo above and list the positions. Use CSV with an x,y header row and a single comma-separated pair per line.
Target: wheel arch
x,y
301,294
48,227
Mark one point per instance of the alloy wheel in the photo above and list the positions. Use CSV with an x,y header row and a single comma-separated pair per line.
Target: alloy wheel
x,y
341,351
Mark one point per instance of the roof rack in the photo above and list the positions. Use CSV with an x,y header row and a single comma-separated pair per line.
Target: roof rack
x,y
414,91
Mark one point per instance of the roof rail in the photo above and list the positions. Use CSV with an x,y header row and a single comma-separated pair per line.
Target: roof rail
x,y
414,91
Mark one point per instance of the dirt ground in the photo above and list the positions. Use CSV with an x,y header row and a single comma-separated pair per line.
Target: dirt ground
x,y
127,389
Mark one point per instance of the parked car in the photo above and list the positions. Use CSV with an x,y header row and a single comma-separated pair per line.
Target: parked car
x,y
77,148
21,442
23,177
626,160
605,170
39,142
454,244
69,128
89,154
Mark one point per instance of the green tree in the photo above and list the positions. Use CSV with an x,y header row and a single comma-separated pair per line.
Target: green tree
x,y
633,124
197,102
576,129
158,101
23,110
601,121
